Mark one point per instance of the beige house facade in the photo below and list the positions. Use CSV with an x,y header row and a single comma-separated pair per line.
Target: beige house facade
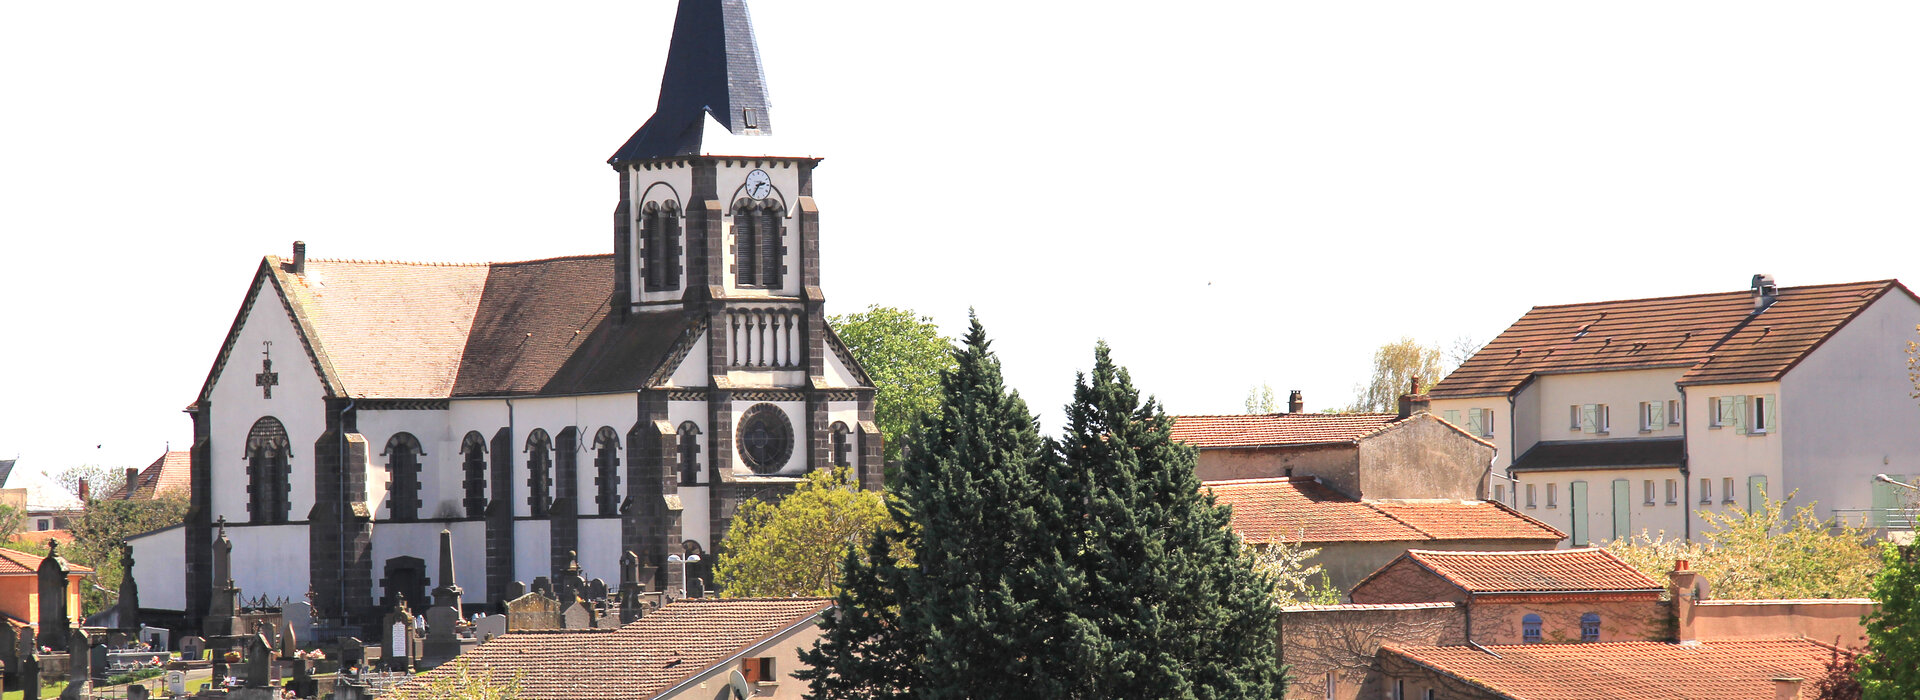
x,y
1632,417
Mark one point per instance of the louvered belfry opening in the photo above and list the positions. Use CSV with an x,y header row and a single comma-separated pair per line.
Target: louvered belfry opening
x,y
660,235
759,256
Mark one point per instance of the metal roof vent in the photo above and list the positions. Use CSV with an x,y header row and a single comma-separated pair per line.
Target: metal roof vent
x,y
1764,292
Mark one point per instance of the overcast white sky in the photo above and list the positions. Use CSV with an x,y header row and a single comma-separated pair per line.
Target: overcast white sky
x,y
1229,193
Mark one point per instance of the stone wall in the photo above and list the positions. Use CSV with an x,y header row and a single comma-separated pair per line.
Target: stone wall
x,y
1423,457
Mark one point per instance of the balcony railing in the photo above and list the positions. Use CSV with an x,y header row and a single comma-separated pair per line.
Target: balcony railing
x,y
1889,518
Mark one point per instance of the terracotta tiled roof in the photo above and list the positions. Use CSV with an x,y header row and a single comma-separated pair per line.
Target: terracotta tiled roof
x,y
1716,337
41,537
1548,570
640,660
1724,669
1310,607
1300,509
14,562
1264,429
168,474
399,330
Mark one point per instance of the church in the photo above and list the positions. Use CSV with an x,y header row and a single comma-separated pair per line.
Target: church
x,y
544,411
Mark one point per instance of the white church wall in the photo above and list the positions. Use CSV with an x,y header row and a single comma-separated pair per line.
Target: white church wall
x,y
617,411
659,185
532,550
431,428
765,379
693,370
599,553
469,559
694,521
796,418
160,568
679,412
270,560
785,178
237,402
837,374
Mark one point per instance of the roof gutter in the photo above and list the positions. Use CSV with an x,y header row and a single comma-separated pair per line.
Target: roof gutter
x,y
810,619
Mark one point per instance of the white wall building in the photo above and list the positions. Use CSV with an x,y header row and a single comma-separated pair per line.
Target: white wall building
x,y
1629,417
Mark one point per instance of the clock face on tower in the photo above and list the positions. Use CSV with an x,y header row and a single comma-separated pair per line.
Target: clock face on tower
x,y
758,184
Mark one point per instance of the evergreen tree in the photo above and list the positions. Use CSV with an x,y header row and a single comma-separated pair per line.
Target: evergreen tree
x,y
945,604
1891,666
1170,609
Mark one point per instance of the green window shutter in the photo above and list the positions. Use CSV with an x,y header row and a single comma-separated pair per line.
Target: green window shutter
x,y
1773,415
1473,421
1756,491
1452,417
1739,411
1622,509
1578,492
1589,418
1657,417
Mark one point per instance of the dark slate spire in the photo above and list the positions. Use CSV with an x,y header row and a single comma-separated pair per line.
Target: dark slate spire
x,y
712,66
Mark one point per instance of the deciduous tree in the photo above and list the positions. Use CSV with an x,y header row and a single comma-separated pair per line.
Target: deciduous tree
x,y
459,680
1773,551
1891,667
1395,366
904,354
100,534
793,546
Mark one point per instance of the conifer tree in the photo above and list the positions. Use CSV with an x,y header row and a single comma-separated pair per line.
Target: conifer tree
x,y
1170,609
945,604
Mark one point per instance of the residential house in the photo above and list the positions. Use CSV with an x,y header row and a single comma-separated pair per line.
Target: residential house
x,y
1363,455
1621,417
1729,669
1561,595
686,649
20,588
170,475
1356,536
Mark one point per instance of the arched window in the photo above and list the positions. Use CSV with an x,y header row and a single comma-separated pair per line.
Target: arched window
x,y
1530,629
842,445
689,453
473,467
403,455
268,473
757,250
660,235
539,473
1590,627
606,464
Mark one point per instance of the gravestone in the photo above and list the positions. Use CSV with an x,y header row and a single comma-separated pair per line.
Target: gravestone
x,y
571,582
576,617
97,662
176,683
79,680
54,617
137,692
298,617
542,586
351,651
9,650
489,627
443,619
596,590
630,588
533,612
514,590
159,638
606,620
223,614
288,645
128,608
257,662
399,640
193,647
29,676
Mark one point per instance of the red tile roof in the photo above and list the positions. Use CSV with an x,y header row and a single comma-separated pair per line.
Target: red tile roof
x,y
1716,337
171,473
1301,509
1534,571
679,641
14,562
1266,429
1723,669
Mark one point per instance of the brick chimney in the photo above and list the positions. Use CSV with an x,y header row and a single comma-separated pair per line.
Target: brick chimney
x,y
1683,585
1295,404
84,492
299,258
1413,401
133,479
1786,688
1764,292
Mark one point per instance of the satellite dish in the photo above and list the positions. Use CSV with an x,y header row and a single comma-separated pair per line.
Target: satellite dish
x,y
1703,588
739,683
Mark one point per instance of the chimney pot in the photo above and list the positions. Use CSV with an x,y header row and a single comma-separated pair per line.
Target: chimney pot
x,y
1764,292
1682,584
1295,404
83,491
299,257
1786,688
133,479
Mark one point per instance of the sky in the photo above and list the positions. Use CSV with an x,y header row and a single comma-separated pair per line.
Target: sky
x,y
1229,193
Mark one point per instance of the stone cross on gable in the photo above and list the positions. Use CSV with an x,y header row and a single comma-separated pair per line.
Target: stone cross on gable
x,y
267,378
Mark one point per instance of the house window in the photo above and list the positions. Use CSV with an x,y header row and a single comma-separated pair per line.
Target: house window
x,y
660,229
473,470
1726,490
1399,690
1500,493
539,473
1757,415
1530,629
606,467
403,477
1673,411
1575,413
758,670
842,444
1673,491
1646,417
1553,495
1590,627
1479,422
757,253
1716,417
1486,422
1330,685
1531,502
1706,491
1648,487
689,453
268,473
1427,695
1604,418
